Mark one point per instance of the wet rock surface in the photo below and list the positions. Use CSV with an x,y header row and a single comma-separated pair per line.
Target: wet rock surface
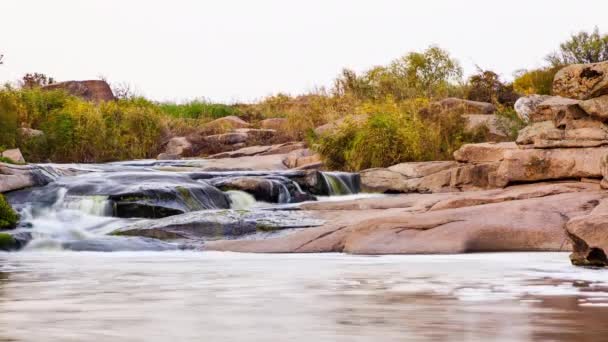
x,y
220,224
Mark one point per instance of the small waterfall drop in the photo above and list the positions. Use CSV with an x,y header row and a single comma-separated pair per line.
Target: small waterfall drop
x,y
240,199
341,183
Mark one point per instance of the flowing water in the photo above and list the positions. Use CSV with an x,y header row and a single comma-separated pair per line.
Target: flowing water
x,y
207,296
58,289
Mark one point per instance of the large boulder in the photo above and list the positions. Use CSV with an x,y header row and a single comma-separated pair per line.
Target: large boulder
x,y
300,158
92,90
462,106
589,237
14,155
30,133
557,109
582,81
532,165
597,107
526,105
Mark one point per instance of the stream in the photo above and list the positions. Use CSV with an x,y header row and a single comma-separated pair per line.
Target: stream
x,y
62,285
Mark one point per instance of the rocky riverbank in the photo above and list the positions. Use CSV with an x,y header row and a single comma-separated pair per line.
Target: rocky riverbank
x,y
543,192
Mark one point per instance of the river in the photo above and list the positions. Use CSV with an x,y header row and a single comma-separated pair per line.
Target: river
x,y
210,296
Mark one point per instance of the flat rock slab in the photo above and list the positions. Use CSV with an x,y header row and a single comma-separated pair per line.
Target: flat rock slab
x,y
521,218
219,224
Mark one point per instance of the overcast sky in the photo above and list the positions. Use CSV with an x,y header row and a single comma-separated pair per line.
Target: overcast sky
x,y
240,50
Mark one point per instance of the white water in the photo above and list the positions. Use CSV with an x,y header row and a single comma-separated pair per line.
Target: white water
x,y
241,199
193,296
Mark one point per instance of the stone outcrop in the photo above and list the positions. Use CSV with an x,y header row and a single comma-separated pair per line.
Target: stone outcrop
x,y
93,90
427,177
524,218
582,81
483,152
15,177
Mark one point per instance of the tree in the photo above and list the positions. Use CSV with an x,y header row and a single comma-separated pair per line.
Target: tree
x,y
486,86
429,71
36,80
417,74
582,47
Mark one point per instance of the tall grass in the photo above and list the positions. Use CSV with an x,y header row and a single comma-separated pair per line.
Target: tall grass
x,y
198,109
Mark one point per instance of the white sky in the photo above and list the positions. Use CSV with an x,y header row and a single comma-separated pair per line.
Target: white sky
x,y
230,50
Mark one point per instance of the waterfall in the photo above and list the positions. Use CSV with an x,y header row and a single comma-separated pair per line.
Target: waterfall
x,y
341,183
240,199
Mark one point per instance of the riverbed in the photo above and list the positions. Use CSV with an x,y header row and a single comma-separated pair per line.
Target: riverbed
x,y
212,296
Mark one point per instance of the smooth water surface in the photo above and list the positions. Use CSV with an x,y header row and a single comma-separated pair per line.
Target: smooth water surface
x,y
205,296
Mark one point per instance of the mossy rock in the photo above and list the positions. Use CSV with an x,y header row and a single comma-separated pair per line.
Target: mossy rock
x,y
7,242
8,217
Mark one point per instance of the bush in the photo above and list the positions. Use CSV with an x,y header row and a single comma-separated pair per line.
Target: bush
x,y
394,133
537,81
77,130
8,217
198,109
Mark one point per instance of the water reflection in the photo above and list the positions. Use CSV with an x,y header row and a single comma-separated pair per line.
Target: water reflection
x,y
188,296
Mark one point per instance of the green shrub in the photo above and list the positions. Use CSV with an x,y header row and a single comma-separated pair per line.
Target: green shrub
x,y
8,217
198,109
537,81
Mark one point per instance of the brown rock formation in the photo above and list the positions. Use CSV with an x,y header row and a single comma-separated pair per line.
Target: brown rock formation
x,y
93,90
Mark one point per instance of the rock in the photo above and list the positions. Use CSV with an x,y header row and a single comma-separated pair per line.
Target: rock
x,y
462,106
179,146
14,155
242,152
529,165
219,224
137,194
526,105
433,177
589,237
226,138
557,109
332,126
93,90
227,123
539,130
270,189
421,169
15,177
277,124
119,244
259,163
284,148
489,121
483,152
300,158
582,81
168,156
578,133
14,240
30,133
523,218
596,108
